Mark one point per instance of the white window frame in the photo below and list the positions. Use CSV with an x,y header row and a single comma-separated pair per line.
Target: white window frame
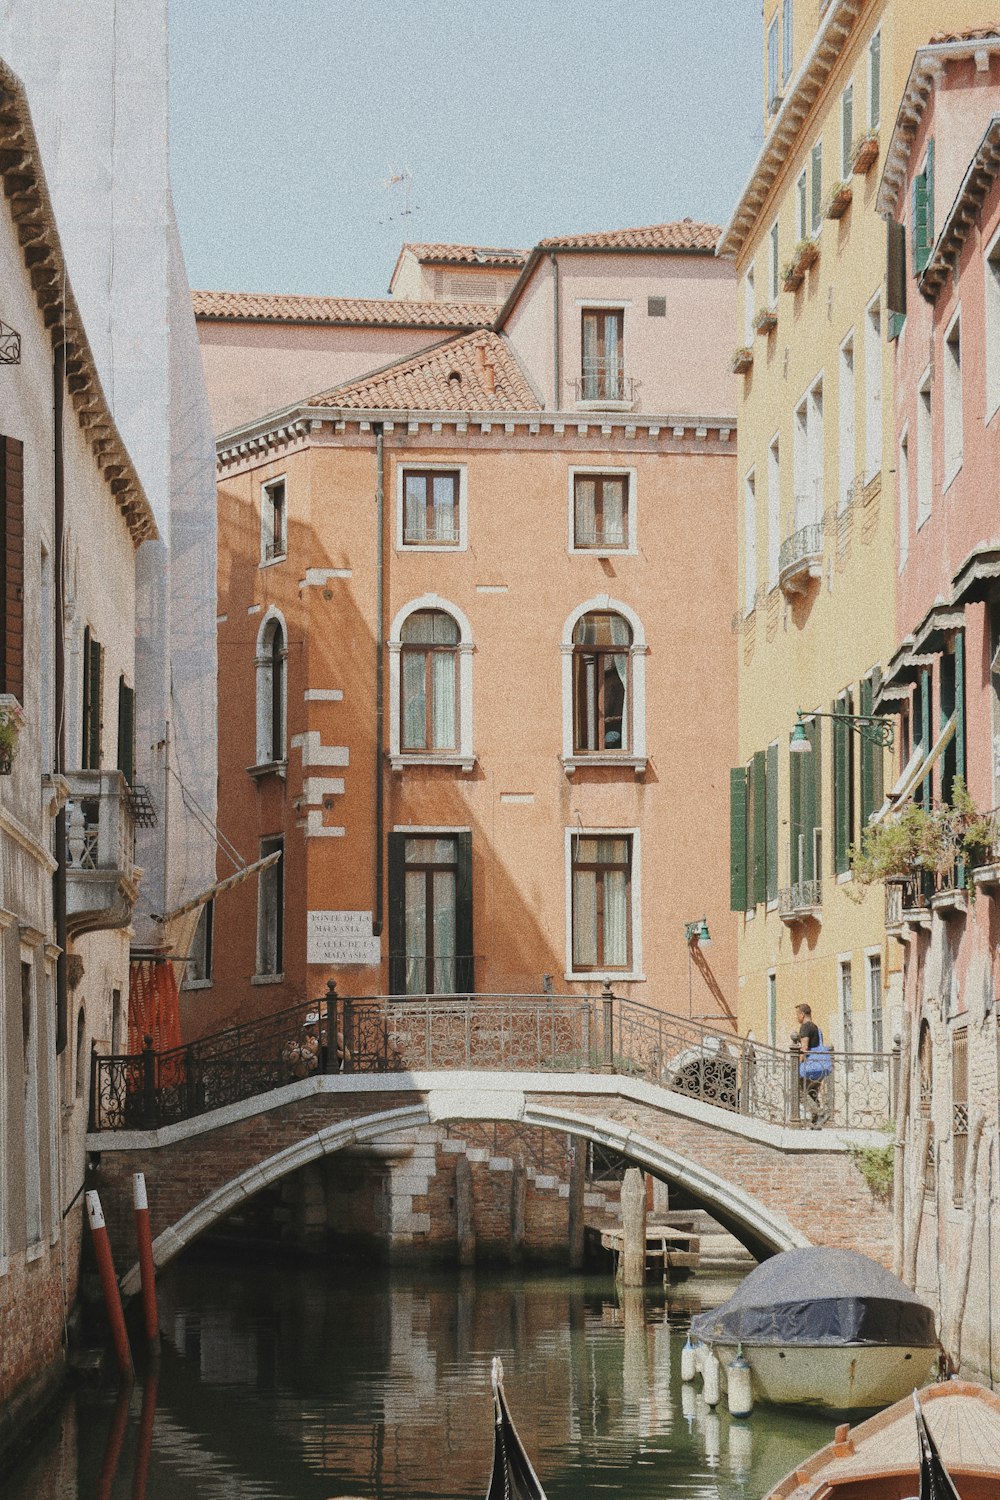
x,y
773,511
846,412
815,447
773,66
952,402
206,916
266,531
465,756
410,462
749,305
903,495
750,542
265,689
991,324
870,953
636,756
875,93
925,448
772,1007
873,387
846,134
845,965
787,53
631,545
635,902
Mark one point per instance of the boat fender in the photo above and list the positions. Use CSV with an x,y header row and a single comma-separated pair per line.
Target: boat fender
x,y
700,1350
710,1376
740,1451
713,1439
689,1405
689,1367
739,1387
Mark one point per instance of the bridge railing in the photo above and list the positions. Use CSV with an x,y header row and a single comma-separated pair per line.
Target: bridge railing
x,y
603,1034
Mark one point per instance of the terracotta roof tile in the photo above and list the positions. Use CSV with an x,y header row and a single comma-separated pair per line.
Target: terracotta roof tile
x,y
973,34
267,307
468,255
450,377
687,234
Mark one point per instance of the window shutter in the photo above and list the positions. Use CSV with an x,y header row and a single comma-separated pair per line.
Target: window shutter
x,y
738,839
126,730
922,795
867,756
929,193
895,276
960,704
841,791
397,913
96,703
878,760
758,772
465,968
771,830
847,128
85,702
812,784
12,567
794,816
817,184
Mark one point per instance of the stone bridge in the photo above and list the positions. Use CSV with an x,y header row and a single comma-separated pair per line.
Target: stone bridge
x,y
773,1185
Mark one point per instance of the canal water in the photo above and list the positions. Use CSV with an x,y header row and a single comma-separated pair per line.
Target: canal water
x,y
281,1382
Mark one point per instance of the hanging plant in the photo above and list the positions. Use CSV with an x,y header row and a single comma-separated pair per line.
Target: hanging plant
x,y
10,728
919,839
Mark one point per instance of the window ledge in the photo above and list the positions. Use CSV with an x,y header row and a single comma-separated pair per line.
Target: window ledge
x,y
603,552
197,984
601,760
269,562
267,978
463,762
268,768
458,546
605,406
613,976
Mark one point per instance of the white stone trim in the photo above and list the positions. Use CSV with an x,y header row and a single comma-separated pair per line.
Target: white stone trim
x,y
631,546
635,904
402,463
323,695
263,690
465,755
315,753
265,487
636,756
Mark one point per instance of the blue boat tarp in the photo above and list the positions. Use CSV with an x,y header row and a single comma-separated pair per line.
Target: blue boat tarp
x,y
819,1296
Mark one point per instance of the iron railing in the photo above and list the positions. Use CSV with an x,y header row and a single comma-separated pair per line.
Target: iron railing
x,y
508,1033
801,898
604,380
802,549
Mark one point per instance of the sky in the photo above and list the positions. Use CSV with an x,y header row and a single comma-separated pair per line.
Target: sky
x,y
513,119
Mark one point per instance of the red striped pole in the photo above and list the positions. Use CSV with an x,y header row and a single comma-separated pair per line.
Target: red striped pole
x,y
113,1446
147,1270
144,1442
109,1284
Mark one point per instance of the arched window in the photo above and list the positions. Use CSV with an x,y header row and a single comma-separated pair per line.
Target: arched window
x,y
430,665
272,655
601,683
604,686
429,681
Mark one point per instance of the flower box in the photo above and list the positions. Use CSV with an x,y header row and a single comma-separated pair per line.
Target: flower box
x,y
766,321
742,360
792,276
865,153
805,254
839,201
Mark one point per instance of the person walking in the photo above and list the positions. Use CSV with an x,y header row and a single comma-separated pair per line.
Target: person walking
x,y
808,1037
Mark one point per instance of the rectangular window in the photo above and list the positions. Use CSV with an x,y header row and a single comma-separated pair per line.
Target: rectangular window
x,y
844,830
846,999
903,497
430,508
198,971
271,911
991,278
922,212
873,390
601,895
815,454
12,567
749,544
601,511
846,130
805,820
273,520
772,1008
875,81
786,41
775,269
430,913
601,683
873,979
773,512
959,1112
428,681
126,730
846,423
924,450
749,308
801,207
93,702
952,386
817,185
773,85
603,376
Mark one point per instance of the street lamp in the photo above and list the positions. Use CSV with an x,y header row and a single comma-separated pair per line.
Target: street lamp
x,y
870,727
697,933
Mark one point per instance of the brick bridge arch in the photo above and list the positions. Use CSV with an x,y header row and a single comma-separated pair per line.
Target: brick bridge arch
x,y
773,1186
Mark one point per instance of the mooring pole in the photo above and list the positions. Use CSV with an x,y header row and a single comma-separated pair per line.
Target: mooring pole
x,y
109,1285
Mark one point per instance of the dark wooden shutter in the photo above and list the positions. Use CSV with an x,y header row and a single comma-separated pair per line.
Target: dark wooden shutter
x,y
867,756
96,703
922,795
841,790
758,770
12,567
126,730
85,702
738,839
895,277
397,913
794,815
465,969
771,824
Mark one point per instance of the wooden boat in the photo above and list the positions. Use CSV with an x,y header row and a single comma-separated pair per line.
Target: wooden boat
x,y
886,1459
513,1477
824,1327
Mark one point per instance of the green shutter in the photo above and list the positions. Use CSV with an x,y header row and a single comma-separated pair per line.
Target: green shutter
x,y
794,815
867,756
465,968
878,758
397,913
960,704
929,188
810,791
771,824
758,770
923,212
922,795
738,839
817,184
841,790
126,730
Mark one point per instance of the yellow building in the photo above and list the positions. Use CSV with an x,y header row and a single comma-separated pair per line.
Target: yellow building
x,y
816,467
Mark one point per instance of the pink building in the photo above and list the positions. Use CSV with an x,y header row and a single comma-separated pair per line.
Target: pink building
x,y
941,193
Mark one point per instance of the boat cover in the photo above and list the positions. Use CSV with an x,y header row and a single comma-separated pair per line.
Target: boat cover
x,y
819,1296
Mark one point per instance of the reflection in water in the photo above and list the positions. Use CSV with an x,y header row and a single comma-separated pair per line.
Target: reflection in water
x,y
291,1383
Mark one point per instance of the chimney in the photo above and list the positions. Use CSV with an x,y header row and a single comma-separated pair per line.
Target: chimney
x,y
480,355
490,377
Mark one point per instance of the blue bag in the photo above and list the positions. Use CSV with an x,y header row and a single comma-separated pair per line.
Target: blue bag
x,y
817,1063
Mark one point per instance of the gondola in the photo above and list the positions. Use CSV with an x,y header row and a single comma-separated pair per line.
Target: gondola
x,y
935,1481
513,1477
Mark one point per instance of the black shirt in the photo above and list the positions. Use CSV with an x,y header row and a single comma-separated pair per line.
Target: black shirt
x,y
809,1033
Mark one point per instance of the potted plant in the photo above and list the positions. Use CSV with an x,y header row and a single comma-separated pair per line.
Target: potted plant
x,y
865,153
11,723
792,276
805,254
742,360
766,321
923,840
839,200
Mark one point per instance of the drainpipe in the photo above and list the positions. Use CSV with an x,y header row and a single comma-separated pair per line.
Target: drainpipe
x,y
379,673
555,331
59,738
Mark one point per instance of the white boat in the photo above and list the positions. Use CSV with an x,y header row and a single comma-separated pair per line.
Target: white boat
x,y
824,1327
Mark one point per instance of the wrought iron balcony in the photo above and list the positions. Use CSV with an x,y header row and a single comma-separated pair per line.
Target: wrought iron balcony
x,y
604,380
799,902
801,558
102,881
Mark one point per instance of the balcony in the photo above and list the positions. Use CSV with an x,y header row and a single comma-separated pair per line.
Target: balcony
x,y
801,902
102,881
801,559
604,386
907,904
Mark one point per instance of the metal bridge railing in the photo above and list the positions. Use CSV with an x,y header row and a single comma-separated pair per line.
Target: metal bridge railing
x,y
602,1034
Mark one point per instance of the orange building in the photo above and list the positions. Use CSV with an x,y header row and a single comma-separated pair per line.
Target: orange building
x,y
477,678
